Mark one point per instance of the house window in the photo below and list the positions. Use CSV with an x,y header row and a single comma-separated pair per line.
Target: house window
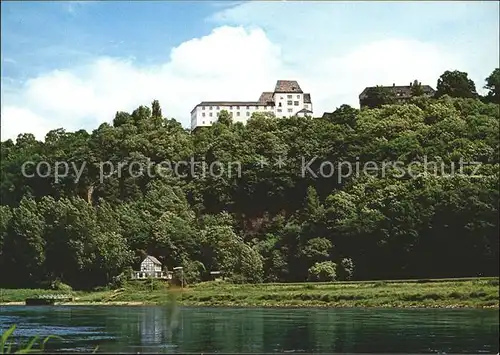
x,y
203,114
256,107
237,113
210,114
248,113
298,96
295,103
218,108
306,106
289,96
289,102
211,107
281,97
203,122
230,107
279,110
290,110
248,107
203,107
279,105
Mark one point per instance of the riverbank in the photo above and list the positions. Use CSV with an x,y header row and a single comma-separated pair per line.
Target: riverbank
x,y
449,293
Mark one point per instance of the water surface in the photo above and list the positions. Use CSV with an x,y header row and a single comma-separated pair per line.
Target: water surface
x,y
251,330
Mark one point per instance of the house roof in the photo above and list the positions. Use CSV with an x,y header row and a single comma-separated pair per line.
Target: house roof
x,y
153,259
266,97
404,90
285,86
304,110
307,98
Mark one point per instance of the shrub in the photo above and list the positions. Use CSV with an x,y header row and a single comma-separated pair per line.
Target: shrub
x,y
323,271
347,269
193,271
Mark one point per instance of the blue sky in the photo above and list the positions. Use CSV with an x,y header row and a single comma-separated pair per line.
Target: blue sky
x,y
74,64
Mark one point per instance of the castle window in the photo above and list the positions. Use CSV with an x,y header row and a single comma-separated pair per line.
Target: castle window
x,y
289,102
210,114
289,96
296,103
203,114
202,107
211,107
290,110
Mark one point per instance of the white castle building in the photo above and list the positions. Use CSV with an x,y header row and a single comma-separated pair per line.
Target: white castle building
x,y
286,100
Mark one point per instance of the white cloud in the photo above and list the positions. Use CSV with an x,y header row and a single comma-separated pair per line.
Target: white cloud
x,y
231,63
16,120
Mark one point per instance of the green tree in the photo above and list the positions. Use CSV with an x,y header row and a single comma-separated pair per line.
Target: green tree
x,y
224,118
455,84
346,269
323,271
24,246
377,97
416,89
344,114
156,109
493,86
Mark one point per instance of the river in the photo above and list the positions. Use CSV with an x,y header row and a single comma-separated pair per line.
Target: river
x,y
256,330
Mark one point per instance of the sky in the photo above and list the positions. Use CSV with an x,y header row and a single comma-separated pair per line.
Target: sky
x,y
73,65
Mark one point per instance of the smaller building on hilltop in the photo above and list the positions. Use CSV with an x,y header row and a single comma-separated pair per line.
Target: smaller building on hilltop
x,y
400,94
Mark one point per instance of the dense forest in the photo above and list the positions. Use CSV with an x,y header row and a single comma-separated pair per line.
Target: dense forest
x,y
264,220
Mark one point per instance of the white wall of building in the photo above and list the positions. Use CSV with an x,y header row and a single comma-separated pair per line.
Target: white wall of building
x,y
204,116
287,104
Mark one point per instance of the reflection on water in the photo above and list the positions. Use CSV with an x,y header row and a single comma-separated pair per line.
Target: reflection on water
x,y
151,329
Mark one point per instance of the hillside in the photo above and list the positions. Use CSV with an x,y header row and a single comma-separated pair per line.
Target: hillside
x,y
262,202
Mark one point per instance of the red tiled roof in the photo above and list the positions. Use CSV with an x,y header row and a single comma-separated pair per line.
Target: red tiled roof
x,y
285,86
266,97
